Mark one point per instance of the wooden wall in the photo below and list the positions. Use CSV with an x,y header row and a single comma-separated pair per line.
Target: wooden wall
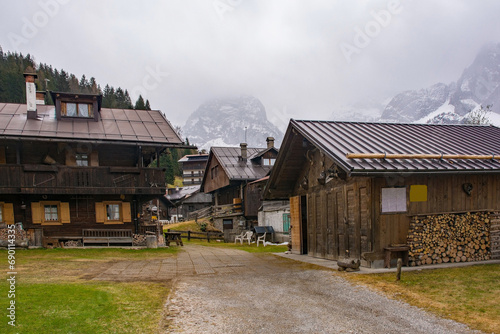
x,y
444,194
219,181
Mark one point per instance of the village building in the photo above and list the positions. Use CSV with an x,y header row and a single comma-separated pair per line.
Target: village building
x,y
75,171
193,168
180,202
228,172
377,191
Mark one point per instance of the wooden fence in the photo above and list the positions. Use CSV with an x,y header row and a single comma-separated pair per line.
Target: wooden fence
x,y
199,235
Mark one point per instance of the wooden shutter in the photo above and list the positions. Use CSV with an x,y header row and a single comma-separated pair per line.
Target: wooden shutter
x,y
8,213
94,158
65,213
127,216
36,213
99,212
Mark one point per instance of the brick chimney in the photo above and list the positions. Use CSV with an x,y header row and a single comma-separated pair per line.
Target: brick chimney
x,y
30,76
270,142
244,152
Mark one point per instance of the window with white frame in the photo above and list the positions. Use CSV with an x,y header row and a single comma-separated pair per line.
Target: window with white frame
x,y
82,160
113,212
51,213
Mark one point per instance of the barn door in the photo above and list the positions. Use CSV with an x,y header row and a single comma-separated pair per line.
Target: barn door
x,y
341,221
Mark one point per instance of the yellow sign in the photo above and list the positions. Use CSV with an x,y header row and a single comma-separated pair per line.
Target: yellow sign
x,y
418,193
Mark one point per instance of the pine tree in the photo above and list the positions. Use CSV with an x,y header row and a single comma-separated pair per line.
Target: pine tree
x,y
139,104
148,107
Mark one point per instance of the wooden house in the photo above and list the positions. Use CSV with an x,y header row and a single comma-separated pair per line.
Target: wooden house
x,y
180,202
193,167
74,166
227,174
375,191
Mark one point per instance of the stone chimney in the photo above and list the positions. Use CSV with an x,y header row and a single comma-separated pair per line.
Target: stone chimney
x,y
244,152
30,76
270,142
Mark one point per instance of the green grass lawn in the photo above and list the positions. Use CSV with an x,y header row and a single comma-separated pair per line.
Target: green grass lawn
x,y
54,293
468,294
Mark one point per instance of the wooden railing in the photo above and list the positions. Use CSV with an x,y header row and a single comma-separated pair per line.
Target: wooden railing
x,y
200,235
217,211
53,179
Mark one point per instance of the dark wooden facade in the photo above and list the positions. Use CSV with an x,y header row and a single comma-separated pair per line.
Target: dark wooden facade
x,y
61,182
335,215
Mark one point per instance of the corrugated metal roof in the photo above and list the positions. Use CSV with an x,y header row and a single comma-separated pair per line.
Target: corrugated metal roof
x,y
144,126
237,169
340,138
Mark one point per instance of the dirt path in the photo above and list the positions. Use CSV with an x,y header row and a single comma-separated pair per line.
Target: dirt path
x,y
231,291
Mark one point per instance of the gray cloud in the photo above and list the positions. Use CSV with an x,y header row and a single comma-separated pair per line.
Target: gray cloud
x,y
288,53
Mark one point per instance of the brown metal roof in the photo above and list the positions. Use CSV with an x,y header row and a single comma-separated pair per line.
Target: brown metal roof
x,y
235,168
124,125
340,138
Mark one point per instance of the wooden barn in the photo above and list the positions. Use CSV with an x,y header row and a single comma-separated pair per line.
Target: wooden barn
x,y
376,191
228,172
76,168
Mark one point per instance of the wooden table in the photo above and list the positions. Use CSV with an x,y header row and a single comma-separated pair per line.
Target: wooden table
x,y
173,236
402,250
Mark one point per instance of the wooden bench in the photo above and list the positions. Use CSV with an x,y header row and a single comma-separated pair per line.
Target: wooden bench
x,y
400,250
107,236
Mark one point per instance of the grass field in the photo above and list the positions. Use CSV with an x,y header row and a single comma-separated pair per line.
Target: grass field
x,y
468,294
54,293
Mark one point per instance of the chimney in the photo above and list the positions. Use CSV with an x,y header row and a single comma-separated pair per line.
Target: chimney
x,y
30,76
270,142
244,154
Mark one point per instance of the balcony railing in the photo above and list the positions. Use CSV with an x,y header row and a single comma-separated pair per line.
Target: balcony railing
x,y
49,179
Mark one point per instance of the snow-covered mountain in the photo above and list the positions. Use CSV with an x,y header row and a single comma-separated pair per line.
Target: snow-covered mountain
x,y
478,85
222,122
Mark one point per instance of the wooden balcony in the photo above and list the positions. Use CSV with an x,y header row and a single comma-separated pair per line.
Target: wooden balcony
x,y
46,179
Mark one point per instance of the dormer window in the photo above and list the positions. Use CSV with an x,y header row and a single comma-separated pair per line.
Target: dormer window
x,y
268,162
70,109
72,106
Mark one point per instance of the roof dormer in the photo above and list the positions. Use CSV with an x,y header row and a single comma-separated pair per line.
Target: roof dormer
x,y
77,106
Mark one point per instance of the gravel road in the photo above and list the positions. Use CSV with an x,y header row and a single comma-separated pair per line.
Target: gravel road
x,y
247,293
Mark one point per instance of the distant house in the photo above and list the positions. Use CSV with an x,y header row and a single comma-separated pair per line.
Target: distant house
x,y
180,202
227,174
193,167
75,166
376,191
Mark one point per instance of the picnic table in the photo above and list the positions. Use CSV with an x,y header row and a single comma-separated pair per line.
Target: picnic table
x,y
173,236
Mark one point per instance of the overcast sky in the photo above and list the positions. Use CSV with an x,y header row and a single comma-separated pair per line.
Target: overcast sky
x,y
302,59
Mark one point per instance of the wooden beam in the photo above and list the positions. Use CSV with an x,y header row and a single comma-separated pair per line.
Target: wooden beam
x,y
421,156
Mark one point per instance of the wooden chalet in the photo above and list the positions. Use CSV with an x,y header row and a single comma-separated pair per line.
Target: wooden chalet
x,y
375,191
227,174
75,166
193,167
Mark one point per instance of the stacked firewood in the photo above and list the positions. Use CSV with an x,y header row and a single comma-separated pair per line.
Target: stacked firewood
x,y
73,243
449,238
139,240
20,234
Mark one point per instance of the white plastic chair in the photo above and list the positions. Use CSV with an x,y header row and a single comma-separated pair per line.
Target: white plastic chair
x,y
239,237
262,239
247,236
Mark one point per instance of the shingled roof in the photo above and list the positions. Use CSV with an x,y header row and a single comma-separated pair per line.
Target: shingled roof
x,y
123,125
237,169
338,139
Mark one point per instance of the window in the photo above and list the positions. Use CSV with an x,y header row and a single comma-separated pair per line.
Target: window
x,y
1,213
70,109
51,213
227,224
82,160
393,200
269,162
113,212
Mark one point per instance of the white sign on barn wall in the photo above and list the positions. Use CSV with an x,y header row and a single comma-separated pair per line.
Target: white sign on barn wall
x,y
394,199
31,96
